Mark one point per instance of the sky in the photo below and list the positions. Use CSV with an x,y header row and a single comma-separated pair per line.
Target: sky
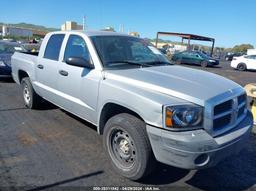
x,y
230,22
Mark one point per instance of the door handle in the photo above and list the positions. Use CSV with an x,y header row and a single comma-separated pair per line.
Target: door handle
x,y
40,66
63,72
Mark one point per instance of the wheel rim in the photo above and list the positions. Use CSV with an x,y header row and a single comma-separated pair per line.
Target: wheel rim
x,y
241,67
204,64
122,148
26,94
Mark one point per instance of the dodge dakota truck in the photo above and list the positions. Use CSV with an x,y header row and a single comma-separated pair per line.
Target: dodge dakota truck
x,y
146,108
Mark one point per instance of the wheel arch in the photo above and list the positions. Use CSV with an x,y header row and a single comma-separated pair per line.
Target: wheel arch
x,y
22,74
111,109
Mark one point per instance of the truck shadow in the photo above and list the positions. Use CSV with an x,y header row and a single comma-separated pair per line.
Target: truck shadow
x,y
86,123
165,174
45,105
6,80
235,173
63,182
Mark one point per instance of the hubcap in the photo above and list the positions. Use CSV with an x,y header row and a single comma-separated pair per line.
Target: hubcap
x,y
26,94
241,67
123,148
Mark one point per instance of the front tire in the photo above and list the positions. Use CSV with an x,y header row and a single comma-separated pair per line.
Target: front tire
x,y
127,145
31,99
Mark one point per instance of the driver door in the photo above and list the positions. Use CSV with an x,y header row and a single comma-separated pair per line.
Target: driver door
x,y
79,85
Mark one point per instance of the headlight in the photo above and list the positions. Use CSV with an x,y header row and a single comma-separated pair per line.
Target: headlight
x,y
212,61
183,116
2,64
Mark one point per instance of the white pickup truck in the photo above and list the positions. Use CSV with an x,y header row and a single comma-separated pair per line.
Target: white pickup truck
x,y
147,109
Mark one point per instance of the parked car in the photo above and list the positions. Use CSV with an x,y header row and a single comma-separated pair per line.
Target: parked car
x,y
194,57
246,62
6,51
146,108
162,50
229,56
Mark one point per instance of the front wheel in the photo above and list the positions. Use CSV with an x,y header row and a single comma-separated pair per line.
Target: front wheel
x,y
30,97
128,147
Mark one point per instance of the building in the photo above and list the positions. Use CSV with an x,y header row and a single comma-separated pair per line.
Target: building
x,y
134,34
109,28
16,31
71,25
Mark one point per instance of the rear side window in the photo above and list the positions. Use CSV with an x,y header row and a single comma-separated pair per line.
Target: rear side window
x,y
52,50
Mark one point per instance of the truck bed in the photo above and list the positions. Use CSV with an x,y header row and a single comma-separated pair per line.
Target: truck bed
x,y
23,61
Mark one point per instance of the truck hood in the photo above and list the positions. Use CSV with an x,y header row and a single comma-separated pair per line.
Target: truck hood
x,y
188,84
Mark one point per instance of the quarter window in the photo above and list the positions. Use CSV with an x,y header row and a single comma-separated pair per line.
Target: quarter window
x,y
52,50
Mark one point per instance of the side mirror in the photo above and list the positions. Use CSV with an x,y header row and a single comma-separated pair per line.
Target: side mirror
x,y
80,62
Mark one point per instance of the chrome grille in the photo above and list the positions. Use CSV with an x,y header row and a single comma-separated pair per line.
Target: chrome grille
x,y
229,112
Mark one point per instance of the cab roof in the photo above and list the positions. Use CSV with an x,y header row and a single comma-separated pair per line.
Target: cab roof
x,y
91,33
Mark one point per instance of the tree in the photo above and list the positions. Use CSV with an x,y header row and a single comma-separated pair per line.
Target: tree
x,y
242,48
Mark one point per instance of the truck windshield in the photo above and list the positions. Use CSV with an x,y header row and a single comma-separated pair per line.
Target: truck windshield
x,y
125,51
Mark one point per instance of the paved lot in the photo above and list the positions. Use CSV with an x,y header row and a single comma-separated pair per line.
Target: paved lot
x,y
48,148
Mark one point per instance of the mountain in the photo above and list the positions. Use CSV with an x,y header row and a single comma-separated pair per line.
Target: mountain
x,y
32,26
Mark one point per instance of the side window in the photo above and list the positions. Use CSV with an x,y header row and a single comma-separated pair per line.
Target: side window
x,y
250,57
76,47
52,50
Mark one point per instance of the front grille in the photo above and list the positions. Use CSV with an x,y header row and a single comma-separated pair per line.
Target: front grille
x,y
241,99
227,113
223,107
222,121
241,111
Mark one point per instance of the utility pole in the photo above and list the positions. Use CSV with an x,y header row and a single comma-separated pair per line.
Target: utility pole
x,y
84,23
121,28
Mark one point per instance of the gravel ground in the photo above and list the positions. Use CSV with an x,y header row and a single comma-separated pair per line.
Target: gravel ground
x,y
50,149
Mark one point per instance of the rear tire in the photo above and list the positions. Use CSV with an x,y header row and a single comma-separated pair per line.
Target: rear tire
x,y
127,146
241,67
204,64
31,99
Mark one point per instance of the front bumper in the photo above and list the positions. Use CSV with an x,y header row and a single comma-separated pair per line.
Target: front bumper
x,y
197,149
213,63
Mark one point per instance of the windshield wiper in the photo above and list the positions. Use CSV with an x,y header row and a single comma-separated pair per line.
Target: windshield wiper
x,y
159,63
128,62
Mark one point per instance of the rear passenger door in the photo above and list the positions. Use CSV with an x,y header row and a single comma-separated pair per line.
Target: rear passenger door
x,y
47,68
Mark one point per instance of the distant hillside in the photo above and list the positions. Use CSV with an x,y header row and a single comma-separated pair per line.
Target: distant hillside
x,y
32,26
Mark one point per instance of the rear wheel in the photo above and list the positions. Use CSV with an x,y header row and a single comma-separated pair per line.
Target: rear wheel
x,y
128,147
204,63
31,98
241,67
